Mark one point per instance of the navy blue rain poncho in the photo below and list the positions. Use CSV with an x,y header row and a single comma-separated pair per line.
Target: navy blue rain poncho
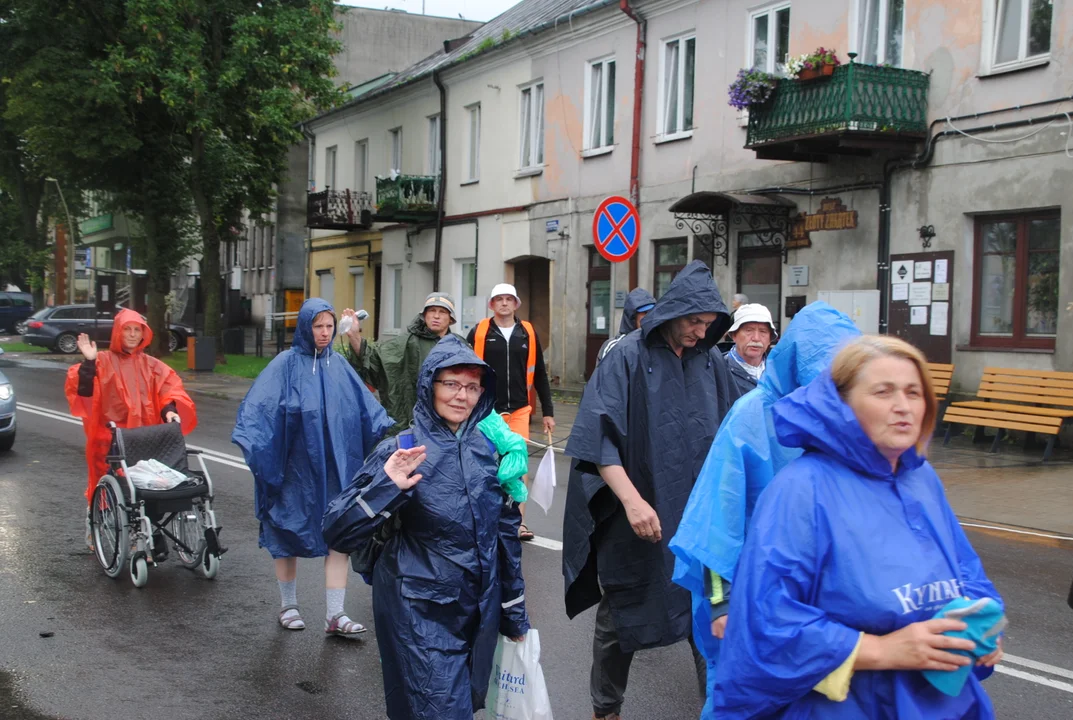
x,y
450,581
305,425
840,545
742,461
638,298
655,414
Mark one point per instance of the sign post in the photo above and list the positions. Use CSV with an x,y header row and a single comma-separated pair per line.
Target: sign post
x,y
616,230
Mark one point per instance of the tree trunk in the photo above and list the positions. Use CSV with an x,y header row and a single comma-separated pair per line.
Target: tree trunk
x,y
159,278
210,250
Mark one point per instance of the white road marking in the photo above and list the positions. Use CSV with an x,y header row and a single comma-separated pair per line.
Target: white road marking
x,y
546,543
1017,532
214,455
1038,679
1042,667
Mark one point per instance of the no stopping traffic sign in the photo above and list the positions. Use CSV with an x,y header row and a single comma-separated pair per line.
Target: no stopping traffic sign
x,y
616,229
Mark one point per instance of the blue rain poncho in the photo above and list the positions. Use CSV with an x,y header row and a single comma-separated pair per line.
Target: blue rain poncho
x,y
304,427
450,580
840,545
655,414
743,458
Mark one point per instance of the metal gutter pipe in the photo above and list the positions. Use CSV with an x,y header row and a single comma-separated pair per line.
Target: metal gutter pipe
x,y
638,90
443,184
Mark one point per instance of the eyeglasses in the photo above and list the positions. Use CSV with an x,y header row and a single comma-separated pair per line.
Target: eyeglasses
x,y
453,387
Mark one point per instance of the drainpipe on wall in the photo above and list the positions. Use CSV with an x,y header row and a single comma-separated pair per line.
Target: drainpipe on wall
x,y
309,187
638,87
442,194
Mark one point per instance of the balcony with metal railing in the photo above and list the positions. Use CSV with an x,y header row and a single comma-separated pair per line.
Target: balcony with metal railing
x,y
339,210
857,110
407,198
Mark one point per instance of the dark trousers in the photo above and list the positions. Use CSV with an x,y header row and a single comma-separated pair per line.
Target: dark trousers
x,y
611,665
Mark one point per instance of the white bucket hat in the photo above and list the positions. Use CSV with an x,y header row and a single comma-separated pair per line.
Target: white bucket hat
x,y
504,289
752,312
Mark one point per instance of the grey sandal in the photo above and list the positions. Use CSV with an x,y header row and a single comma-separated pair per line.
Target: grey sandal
x,y
294,622
343,628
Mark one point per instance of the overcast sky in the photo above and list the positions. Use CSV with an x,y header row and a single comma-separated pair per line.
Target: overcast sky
x,y
482,10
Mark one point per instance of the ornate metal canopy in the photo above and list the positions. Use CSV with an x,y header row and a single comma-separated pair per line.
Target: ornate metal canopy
x,y
711,215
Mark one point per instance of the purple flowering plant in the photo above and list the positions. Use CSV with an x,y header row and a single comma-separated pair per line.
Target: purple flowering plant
x,y
751,87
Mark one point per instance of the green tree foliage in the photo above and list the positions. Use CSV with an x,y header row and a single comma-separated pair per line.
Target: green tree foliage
x,y
172,106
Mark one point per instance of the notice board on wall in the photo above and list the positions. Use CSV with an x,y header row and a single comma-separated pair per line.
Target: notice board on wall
x,y
921,292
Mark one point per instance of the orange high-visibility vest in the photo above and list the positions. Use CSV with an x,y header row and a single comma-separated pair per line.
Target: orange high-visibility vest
x,y
530,365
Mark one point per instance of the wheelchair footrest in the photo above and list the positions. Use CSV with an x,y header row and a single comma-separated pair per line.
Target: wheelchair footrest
x,y
212,541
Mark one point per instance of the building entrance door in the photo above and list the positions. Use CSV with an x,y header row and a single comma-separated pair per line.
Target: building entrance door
x,y
599,308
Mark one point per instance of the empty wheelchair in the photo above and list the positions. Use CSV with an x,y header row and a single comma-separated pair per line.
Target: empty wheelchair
x,y
127,524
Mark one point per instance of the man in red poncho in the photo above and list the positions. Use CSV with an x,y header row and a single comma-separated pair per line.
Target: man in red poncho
x,y
125,386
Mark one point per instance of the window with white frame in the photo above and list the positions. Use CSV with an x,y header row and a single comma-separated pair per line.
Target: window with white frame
x,y
600,104
473,157
434,145
769,37
394,294
395,137
330,155
361,164
531,113
678,60
1017,32
880,28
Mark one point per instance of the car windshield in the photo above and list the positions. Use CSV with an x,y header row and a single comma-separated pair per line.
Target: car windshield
x,y
41,314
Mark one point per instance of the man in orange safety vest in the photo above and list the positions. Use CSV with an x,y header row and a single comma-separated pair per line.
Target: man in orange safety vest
x,y
512,349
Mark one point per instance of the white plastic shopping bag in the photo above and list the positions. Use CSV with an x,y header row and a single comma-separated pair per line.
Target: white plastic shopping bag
x,y
543,490
516,690
154,475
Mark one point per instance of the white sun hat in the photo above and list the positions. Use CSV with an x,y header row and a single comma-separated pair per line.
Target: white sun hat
x,y
752,312
504,289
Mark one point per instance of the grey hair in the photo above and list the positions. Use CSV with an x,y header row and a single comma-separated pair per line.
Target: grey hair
x,y
741,298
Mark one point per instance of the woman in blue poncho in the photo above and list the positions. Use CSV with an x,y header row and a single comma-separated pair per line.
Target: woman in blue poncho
x,y
305,427
851,553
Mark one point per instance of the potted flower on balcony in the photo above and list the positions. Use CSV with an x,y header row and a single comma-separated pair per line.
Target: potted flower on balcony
x,y
751,87
822,62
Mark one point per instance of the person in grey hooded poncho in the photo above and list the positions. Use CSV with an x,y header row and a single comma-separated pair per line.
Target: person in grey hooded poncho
x,y
645,423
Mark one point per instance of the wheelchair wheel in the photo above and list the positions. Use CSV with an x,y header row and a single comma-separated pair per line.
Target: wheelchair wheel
x,y
209,565
110,527
139,570
186,527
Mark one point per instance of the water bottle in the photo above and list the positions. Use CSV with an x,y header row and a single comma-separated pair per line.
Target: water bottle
x,y
348,322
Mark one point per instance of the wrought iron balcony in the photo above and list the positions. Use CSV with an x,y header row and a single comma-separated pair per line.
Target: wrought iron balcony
x,y
339,210
407,198
855,111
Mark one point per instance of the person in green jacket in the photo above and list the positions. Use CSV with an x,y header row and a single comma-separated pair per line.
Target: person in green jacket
x,y
390,367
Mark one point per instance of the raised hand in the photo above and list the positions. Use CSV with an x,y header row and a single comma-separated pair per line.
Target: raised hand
x,y
401,465
87,347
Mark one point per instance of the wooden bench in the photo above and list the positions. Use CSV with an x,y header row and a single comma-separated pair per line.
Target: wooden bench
x,y
940,379
1002,404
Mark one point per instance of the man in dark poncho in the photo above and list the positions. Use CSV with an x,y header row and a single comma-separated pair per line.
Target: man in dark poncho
x,y
645,423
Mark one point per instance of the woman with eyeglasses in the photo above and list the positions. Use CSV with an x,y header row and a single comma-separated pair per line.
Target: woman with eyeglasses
x,y
448,580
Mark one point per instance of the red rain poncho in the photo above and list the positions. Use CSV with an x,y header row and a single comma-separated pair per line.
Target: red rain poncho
x,y
130,389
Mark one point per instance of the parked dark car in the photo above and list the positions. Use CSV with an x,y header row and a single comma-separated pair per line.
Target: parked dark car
x,y
15,307
57,328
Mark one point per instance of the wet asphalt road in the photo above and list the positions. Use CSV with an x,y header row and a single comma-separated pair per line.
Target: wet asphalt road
x,y
184,647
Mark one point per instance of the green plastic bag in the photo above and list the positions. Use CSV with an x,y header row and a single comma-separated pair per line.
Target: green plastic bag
x,y
513,455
